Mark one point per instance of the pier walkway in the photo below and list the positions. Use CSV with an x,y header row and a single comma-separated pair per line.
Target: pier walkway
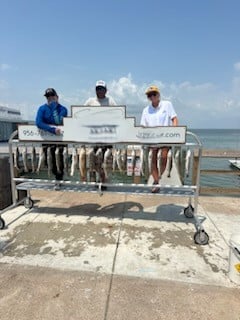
x,y
82,256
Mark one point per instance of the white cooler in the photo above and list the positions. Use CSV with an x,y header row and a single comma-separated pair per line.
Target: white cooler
x,y
234,258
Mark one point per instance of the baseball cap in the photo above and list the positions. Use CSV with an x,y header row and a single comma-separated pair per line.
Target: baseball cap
x,y
101,83
152,89
50,92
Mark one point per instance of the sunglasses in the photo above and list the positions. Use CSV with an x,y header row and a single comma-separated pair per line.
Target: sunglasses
x,y
152,94
100,88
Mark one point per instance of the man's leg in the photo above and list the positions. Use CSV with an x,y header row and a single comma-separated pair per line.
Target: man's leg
x,y
154,165
155,170
60,174
54,166
164,159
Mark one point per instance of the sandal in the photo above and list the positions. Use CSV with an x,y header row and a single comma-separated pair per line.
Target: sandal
x,y
155,189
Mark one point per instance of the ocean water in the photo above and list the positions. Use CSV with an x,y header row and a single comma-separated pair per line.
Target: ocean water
x,y
219,139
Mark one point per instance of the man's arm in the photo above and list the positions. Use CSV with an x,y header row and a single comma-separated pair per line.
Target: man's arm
x,y
88,102
175,121
63,113
143,120
112,102
41,124
173,115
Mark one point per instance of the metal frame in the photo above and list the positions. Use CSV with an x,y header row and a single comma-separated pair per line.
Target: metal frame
x,y
190,191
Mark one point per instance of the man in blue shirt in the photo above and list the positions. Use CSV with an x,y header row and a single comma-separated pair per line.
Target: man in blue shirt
x,y
49,116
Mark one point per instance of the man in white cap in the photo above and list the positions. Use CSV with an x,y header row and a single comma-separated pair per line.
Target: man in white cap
x,y
101,99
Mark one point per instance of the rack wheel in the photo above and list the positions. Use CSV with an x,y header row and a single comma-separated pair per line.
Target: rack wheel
x,y
28,203
189,211
201,237
2,223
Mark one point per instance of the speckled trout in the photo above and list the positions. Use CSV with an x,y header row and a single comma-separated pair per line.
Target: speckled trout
x,y
41,159
83,163
107,163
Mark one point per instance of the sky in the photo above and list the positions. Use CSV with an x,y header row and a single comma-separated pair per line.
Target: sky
x,y
190,49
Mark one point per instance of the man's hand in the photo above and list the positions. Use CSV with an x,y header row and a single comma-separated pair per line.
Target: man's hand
x,y
57,131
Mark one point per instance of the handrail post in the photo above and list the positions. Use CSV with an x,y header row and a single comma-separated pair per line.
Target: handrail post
x,y
13,183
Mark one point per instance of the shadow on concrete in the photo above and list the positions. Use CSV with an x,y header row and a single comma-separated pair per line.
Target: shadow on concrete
x,y
129,209
164,212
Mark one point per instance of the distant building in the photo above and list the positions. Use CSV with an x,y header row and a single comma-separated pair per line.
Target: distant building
x,y
9,119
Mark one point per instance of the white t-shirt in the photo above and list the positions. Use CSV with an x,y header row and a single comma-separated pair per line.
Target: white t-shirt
x,y
159,116
107,101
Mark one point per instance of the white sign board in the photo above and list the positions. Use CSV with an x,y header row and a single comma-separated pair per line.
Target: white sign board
x,y
105,125
33,133
110,125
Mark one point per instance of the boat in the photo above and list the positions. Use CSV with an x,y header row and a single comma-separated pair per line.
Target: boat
x,y
235,163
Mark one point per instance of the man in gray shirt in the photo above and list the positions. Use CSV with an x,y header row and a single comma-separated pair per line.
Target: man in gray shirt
x,y
101,99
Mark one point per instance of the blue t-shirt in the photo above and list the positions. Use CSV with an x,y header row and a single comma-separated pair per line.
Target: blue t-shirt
x,y
46,117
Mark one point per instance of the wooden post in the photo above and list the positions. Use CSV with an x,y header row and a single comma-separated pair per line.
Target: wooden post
x,y
182,165
195,169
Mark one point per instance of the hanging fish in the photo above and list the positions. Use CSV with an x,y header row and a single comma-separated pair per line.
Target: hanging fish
x,y
33,158
83,163
124,159
146,170
16,159
187,163
115,165
133,155
169,163
74,161
159,162
177,159
99,161
58,159
41,159
107,163
65,159
142,161
119,160
24,158
49,160
91,164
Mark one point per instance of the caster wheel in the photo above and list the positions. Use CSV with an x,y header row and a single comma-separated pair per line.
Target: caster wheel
x,y
28,203
201,237
189,211
2,223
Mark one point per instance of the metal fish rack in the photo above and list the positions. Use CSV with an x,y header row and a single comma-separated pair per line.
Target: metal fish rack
x,y
184,181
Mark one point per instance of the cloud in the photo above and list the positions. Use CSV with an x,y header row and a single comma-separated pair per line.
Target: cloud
x,y
124,89
77,97
236,86
4,66
237,66
198,105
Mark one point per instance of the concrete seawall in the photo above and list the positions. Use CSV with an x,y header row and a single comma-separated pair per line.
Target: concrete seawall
x,y
76,256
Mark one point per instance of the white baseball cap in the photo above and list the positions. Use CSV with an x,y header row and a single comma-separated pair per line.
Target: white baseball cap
x,y
101,83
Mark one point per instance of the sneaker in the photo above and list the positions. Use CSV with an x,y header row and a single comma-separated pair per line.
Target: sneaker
x,y
57,186
155,189
103,188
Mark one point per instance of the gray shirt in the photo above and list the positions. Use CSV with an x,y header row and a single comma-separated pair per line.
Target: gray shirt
x,y
107,101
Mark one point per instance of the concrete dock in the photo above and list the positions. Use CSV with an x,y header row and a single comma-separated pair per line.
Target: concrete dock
x,y
85,256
